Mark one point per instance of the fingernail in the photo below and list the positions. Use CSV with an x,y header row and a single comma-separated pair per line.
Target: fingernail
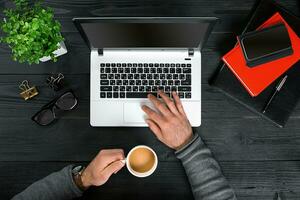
x,y
123,161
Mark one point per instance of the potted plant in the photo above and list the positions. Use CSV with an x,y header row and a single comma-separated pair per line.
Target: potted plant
x,y
32,33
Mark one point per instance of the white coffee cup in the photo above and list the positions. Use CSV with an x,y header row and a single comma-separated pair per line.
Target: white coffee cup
x,y
141,174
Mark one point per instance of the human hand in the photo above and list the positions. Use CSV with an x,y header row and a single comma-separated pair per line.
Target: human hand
x,y
106,163
170,125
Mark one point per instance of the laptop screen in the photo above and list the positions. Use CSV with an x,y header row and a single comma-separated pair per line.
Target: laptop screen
x,y
101,33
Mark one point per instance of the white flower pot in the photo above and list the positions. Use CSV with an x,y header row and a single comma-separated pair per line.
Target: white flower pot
x,y
60,51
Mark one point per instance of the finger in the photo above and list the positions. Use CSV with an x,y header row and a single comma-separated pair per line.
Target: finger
x,y
117,171
112,151
157,118
123,163
159,105
178,103
111,155
112,168
154,128
168,102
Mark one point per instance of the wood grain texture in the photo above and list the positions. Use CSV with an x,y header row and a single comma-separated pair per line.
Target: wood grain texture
x,y
257,158
240,134
251,180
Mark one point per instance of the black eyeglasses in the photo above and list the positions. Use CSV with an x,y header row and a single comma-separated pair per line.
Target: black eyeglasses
x,y
50,112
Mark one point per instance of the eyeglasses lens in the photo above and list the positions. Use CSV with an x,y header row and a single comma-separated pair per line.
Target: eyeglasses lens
x,y
67,101
45,117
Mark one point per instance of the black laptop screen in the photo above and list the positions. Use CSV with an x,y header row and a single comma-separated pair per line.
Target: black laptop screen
x,y
143,35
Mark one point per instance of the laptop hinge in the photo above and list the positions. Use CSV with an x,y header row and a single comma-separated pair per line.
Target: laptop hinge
x,y
191,52
100,52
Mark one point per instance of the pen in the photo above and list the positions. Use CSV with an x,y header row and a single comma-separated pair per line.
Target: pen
x,y
278,88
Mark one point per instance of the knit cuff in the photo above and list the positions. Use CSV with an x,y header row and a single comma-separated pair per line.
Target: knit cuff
x,y
72,185
187,146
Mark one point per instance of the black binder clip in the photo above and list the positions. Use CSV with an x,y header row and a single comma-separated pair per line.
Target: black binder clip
x,y
55,83
27,91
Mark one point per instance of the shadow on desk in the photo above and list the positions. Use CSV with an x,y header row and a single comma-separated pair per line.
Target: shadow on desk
x,y
168,182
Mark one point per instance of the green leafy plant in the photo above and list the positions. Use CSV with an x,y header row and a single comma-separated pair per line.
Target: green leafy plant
x,y
30,31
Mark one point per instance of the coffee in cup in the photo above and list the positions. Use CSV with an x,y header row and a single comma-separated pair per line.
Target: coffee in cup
x,y
141,161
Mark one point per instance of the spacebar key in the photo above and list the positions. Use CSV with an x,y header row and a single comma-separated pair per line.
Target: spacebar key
x,y
138,94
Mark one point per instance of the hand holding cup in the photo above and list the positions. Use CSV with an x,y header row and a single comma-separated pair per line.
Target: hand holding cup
x,y
106,163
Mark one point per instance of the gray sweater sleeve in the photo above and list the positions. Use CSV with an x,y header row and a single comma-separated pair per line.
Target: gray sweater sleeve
x,y
57,186
204,173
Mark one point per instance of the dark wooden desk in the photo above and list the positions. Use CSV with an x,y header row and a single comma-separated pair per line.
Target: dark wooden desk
x,y
257,158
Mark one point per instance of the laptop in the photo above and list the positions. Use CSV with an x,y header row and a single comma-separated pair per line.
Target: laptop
x,y
134,56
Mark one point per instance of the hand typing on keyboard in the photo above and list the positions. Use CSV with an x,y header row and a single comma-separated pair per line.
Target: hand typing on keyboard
x,y
170,125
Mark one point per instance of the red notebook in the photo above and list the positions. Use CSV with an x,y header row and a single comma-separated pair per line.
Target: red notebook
x,y
256,79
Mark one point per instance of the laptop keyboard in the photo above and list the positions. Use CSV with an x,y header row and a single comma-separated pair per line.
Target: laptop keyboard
x,y
137,80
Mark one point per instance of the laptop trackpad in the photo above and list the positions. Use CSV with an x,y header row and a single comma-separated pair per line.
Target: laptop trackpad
x,y
133,112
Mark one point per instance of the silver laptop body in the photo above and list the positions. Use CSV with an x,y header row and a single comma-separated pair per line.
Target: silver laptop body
x,y
131,57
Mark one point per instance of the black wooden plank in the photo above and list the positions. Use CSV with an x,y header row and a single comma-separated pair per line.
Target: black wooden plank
x,y
233,13
250,180
168,181
262,150
76,61
74,139
240,134
13,106
261,180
